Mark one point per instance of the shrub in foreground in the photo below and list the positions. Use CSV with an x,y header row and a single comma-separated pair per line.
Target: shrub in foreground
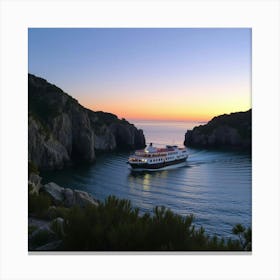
x,y
115,226
38,204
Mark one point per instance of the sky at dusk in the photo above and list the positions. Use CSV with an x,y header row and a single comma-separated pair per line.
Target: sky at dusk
x,y
147,73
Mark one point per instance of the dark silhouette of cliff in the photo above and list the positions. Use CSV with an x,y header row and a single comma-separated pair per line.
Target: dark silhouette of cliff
x,y
61,131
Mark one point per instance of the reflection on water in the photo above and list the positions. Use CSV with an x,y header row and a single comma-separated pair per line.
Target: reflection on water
x,y
215,186
145,178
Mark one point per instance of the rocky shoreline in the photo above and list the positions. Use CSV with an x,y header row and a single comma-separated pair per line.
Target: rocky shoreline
x,y
114,225
45,231
62,219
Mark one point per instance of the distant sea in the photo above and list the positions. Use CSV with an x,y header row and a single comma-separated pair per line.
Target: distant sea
x,y
165,132
215,186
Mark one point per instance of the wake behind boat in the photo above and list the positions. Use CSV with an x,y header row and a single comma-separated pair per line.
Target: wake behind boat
x,y
153,158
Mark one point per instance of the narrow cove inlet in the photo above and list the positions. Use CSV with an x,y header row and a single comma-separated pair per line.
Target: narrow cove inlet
x,y
213,185
149,146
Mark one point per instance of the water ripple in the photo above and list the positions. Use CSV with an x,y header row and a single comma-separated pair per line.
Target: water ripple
x,y
214,186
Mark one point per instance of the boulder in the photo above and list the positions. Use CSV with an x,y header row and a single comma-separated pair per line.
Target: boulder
x,y
83,198
55,192
68,197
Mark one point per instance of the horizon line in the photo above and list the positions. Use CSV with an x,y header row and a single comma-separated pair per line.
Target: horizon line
x,y
167,120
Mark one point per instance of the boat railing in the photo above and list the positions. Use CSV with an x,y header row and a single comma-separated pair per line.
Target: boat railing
x,y
151,155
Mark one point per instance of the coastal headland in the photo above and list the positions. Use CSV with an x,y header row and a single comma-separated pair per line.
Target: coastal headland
x,y
62,132
228,131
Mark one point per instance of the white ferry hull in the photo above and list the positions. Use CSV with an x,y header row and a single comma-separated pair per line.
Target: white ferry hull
x,y
158,166
169,167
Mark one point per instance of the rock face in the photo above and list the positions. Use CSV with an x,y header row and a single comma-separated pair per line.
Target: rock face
x,y
60,196
55,192
67,197
226,131
61,131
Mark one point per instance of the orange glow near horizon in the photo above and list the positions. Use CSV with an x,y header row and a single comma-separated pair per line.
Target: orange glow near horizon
x,y
191,74
195,107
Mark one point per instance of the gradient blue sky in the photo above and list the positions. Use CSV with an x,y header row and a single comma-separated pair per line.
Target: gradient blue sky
x,y
154,73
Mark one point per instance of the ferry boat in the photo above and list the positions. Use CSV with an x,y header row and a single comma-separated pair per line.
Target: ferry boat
x,y
152,158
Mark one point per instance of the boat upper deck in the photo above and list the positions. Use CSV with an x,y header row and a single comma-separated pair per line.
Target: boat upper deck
x,y
156,152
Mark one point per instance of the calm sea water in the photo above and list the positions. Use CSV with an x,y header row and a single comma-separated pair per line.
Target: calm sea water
x,y
215,186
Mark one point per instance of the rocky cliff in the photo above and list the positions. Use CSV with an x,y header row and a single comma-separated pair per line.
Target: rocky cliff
x,y
61,131
226,131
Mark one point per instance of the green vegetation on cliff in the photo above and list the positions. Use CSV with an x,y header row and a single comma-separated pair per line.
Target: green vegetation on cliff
x,y
45,100
225,131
